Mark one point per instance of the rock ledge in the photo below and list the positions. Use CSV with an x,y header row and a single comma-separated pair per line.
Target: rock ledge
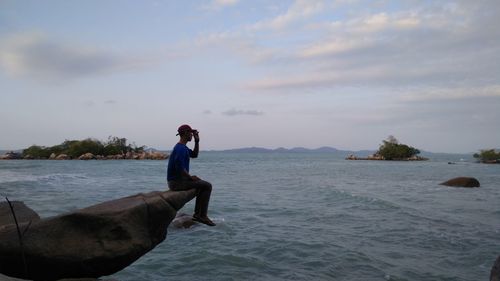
x,y
87,243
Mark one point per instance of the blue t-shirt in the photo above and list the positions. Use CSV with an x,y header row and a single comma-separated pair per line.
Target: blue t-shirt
x,y
178,161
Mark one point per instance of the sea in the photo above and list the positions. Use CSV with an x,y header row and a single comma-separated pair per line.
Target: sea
x,y
293,216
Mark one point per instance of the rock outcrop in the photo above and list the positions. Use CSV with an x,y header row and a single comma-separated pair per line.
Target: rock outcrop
x,y
87,156
462,182
23,213
62,157
380,157
87,243
11,156
145,155
495,271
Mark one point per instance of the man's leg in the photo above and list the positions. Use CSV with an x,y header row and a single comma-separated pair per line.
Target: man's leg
x,y
202,198
204,190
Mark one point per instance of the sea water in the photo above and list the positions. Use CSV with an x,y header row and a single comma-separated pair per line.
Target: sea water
x,y
293,216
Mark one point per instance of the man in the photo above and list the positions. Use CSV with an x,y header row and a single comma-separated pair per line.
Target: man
x,y
178,176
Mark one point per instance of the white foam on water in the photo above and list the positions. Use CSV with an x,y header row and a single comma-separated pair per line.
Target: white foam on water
x,y
7,176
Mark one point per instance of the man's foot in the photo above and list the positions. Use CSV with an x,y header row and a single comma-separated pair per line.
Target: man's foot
x,y
204,220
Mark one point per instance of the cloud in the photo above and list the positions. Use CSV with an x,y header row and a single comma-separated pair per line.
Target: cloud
x,y
454,94
217,5
89,103
299,10
110,102
237,112
237,43
224,3
428,46
377,46
35,55
207,112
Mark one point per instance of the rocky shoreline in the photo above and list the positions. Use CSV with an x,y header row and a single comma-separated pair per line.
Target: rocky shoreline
x,y
89,156
381,158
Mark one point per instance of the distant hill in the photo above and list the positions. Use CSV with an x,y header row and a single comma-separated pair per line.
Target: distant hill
x,y
455,157
452,157
324,149
248,150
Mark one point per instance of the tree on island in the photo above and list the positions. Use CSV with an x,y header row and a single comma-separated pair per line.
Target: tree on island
x,y
488,156
76,148
391,149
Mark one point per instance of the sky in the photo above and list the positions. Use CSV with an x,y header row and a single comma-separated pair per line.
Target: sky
x,y
308,73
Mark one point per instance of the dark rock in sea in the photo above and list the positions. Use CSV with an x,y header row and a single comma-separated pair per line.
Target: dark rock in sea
x,y
462,182
91,242
495,271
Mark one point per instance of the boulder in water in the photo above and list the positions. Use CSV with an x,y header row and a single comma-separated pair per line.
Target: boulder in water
x,y
462,182
183,221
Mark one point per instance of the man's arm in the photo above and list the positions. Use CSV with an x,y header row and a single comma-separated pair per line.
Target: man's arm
x,y
196,149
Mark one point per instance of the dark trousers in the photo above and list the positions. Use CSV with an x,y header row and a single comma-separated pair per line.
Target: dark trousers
x,y
204,189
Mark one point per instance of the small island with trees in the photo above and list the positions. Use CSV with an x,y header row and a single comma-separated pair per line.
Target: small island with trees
x,y
88,149
488,156
391,149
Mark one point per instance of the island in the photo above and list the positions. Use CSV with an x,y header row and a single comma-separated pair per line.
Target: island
x,y
114,148
392,150
488,156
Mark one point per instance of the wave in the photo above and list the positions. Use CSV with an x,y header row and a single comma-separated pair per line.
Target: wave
x,y
13,177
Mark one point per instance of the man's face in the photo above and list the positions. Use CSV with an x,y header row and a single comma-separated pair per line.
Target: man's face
x,y
187,135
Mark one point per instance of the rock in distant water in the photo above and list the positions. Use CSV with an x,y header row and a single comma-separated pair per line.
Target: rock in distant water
x,y
90,242
495,271
462,182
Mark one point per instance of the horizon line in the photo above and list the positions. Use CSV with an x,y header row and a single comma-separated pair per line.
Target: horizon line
x,y
285,148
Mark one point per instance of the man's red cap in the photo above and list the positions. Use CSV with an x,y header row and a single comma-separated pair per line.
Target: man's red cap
x,y
184,128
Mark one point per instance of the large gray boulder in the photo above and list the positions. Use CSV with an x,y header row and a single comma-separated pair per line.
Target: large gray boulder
x,y
495,271
462,182
91,242
23,213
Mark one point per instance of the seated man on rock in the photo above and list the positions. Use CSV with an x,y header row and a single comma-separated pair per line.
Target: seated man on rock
x,y
178,176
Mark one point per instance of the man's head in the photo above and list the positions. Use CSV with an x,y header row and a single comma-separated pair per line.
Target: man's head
x,y
185,132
